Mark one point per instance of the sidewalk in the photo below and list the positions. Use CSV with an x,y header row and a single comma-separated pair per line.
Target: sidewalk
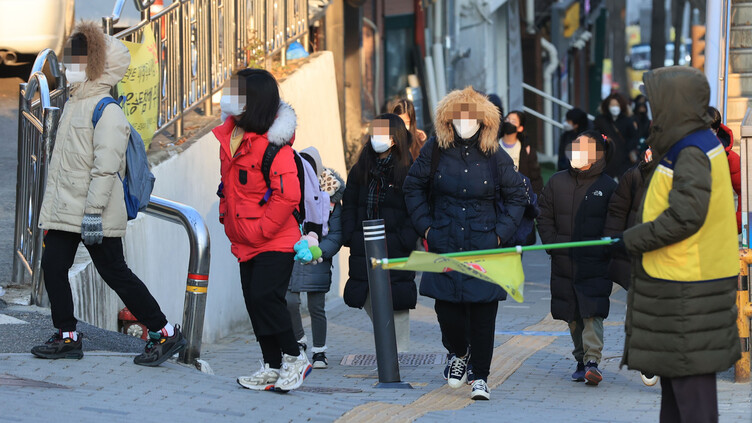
x,y
530,378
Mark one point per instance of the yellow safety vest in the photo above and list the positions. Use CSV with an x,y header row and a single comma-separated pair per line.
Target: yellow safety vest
x,y
712,252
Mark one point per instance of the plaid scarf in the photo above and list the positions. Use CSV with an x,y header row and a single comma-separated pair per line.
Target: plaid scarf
x,y
380,173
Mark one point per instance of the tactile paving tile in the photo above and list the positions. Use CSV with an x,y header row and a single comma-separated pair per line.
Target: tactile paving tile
x,y
405,359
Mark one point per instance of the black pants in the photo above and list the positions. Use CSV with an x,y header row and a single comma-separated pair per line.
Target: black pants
x,y
455,319
689,399
59,253
265,279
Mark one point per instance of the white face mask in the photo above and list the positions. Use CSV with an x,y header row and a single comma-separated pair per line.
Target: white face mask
x,y
75,76
231,105
649,111
466,128
579,159
381,143
615,111
567,126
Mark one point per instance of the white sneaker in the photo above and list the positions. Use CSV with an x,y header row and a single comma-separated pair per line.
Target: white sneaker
x,y
263,380
294,370
458,371
480,390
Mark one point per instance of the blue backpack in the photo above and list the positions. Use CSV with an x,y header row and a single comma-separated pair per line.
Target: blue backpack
x,y
139,181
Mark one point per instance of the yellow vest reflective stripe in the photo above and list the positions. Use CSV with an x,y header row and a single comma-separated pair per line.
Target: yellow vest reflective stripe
x,y
711,253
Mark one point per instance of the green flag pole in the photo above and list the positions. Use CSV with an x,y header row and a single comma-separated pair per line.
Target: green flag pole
x,y
517,249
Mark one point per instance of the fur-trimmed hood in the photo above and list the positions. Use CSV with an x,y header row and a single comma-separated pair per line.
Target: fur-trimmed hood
x,y
489,128
107,58
280,133
282,130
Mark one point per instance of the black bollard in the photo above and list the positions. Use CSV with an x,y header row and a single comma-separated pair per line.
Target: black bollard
x,y
374,234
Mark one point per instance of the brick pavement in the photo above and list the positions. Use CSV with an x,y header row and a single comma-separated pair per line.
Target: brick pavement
x,y
533,385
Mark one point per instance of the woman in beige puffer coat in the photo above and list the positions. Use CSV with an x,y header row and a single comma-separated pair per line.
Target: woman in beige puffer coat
x,y
84,200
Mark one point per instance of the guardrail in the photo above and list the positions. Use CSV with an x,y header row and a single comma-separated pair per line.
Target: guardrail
x,y
39,110
198,269
201,42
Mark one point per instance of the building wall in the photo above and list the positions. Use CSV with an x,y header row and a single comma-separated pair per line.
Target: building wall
x,y
157,251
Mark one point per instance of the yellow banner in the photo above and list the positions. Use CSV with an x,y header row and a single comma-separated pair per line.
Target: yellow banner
x,y
504,270
140,86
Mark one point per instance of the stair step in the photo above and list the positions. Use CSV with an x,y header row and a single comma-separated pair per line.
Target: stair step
x,y
740,84
740,60
741,36
741,14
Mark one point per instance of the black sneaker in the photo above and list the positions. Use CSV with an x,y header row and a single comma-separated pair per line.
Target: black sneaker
x,y
59,347
302,346
320,361
593,376
159,348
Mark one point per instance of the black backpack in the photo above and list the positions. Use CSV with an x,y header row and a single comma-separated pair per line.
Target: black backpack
x,y
527,225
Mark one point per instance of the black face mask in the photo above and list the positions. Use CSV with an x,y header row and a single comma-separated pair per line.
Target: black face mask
x,y
508,128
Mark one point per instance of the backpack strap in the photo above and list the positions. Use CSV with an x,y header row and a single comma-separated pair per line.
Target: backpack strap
x,y
495,175
99,108
435,157
266,167
300,214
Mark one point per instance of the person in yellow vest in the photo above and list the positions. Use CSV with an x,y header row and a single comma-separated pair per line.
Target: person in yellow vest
x,y
681,316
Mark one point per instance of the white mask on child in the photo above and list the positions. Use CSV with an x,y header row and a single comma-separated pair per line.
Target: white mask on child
x,y
579,159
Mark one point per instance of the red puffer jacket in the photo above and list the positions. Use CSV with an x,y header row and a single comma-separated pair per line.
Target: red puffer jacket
x,y
735,166
251,227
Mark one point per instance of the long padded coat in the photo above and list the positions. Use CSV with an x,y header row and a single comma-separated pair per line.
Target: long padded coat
x,y
401,239
459,202
573,207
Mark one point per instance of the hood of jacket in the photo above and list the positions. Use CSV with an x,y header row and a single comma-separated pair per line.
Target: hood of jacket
x,y
107,60
280,133
730,136
489,124
679,97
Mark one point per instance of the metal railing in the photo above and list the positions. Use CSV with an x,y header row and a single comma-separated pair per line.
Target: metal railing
x,y
201,42
549,149
39,111
198,269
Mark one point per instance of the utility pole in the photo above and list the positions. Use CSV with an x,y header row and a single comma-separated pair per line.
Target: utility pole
x,y
617,27
658,35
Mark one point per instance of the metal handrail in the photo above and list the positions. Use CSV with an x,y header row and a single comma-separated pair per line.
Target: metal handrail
x,y
198,269
37,127
543,117
553,99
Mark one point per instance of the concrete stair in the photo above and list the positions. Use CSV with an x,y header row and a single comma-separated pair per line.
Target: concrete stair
x,y
740,65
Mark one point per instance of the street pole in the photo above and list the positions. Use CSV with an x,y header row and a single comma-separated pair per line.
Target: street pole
x,y
374,235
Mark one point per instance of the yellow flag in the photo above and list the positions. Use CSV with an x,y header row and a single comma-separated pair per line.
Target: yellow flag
x,y
140,86
504,270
